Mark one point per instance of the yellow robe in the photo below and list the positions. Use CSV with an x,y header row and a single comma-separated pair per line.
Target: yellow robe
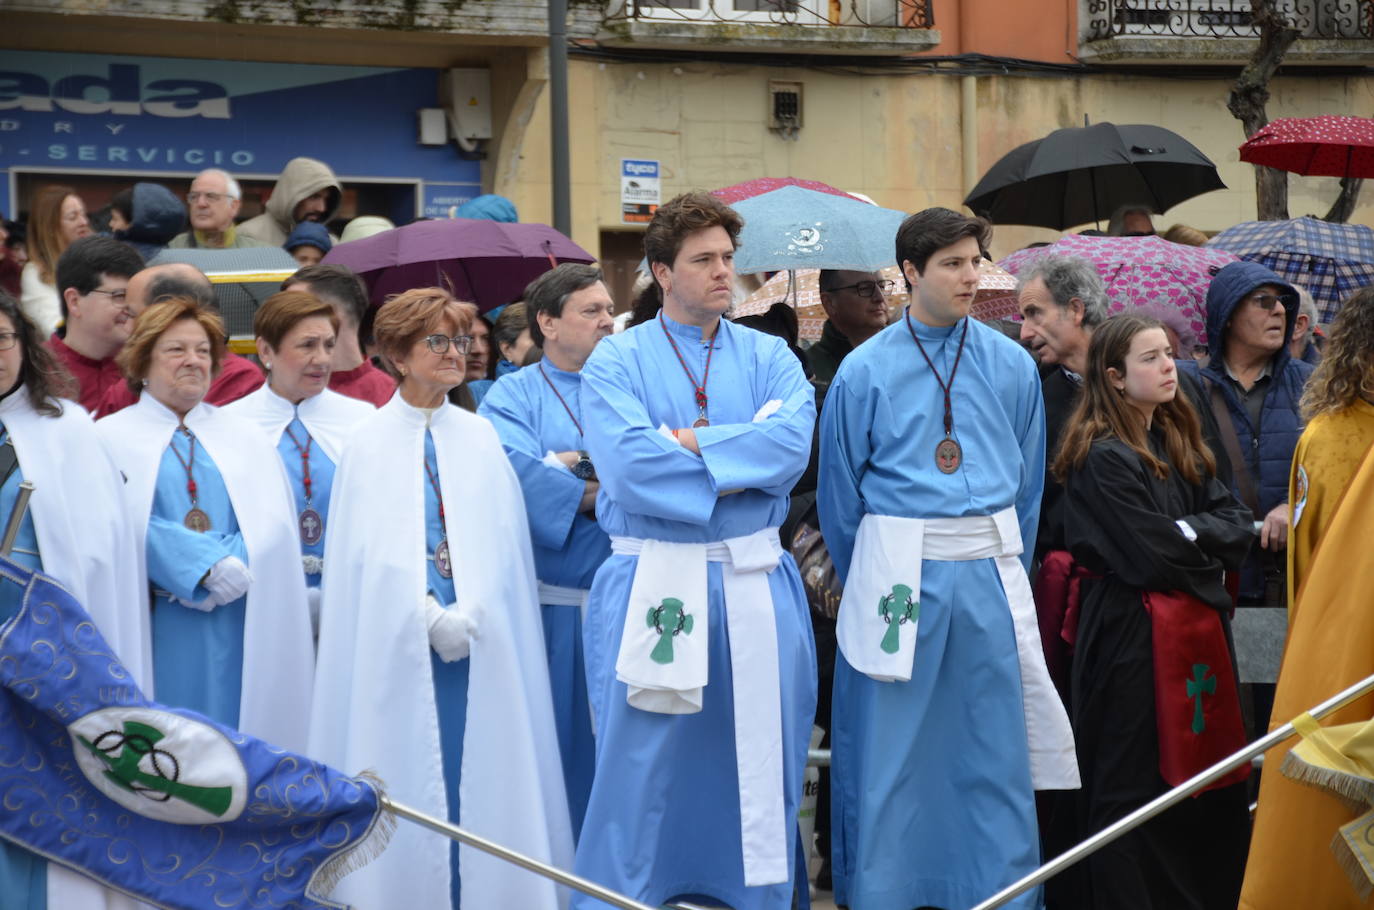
x,y
1330,646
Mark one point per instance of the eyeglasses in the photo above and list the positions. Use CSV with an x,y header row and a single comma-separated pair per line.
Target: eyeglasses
x,y
8,340
115,296
213,198
439,344
1266,302
867,288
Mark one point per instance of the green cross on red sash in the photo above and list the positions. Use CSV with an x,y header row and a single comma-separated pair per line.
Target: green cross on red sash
x,y
1201,684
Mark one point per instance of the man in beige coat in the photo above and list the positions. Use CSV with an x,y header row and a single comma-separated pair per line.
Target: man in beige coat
x,y
307,190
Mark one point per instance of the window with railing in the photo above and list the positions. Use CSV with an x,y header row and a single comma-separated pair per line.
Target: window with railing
x,y
860,13
1224,18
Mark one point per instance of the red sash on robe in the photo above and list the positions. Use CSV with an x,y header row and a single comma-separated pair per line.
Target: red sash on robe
x,y
1056,607
1197,705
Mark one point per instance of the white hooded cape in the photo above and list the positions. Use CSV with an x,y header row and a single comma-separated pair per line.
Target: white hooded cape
x,y
329,417
278,659
374,704
86,544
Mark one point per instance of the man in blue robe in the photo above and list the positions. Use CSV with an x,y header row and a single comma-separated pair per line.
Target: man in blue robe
x,y
932,465
700,660
537,412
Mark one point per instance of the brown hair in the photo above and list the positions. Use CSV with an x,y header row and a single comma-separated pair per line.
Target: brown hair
x,y
1186,235
684,215
44,377
1346,371
46,245
136,357
280,313
408,317
1103,413
921,234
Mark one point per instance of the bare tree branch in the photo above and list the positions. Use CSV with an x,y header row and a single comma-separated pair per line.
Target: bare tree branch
x,y
1344,206
1250,94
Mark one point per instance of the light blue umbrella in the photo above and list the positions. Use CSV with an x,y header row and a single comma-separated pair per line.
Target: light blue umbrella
x,y
796,228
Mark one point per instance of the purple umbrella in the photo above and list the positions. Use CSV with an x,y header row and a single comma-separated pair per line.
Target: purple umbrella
x,y
488,263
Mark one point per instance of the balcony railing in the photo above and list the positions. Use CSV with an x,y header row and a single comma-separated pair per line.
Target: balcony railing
x,y
852,13
1224,18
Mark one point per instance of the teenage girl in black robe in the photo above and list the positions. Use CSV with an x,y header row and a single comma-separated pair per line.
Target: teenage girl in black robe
x,y
1145,512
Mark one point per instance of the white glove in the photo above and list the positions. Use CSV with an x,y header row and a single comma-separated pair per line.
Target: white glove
x,y
769,408
312,600
228,580
452,630
204,606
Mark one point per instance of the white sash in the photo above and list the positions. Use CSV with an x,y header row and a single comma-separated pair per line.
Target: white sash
x,y
559,596
677,572
883,589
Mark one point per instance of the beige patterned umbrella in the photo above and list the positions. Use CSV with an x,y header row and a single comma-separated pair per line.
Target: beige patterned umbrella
x,y
996,297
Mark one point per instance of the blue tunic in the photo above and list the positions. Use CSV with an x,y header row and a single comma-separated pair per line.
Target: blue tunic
x,y
665,799
197,656
450,679
568,545
932,797
321,483
23,875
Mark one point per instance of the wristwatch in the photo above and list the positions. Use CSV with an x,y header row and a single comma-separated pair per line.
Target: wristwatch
x,y
583,469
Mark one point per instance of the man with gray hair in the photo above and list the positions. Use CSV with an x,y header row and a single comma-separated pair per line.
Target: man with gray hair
x,y
1303,345
213,203
537,412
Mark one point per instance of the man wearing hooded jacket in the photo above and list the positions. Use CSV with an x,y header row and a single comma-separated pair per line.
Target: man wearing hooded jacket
x,y
1257,385
307,190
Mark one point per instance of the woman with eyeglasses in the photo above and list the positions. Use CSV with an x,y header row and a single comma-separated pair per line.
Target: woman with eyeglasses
x,y
431,666
75,531
57,219
218,542
306,421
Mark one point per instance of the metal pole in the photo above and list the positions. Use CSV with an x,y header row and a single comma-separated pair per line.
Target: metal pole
x,y
510,856
558,115
21,505
1176,795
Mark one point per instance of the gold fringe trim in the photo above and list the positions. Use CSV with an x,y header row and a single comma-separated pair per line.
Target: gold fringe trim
x,y
1354,869
367,848
1356,793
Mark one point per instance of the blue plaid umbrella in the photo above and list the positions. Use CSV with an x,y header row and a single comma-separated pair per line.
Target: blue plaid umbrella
x,y
1331,261
797,228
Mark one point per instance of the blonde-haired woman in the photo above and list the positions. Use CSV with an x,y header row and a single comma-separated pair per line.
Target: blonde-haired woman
x,y
209,504
431,666
57,219
1330,627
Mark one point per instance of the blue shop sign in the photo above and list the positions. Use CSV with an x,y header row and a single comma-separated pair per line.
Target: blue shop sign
x,y
167,116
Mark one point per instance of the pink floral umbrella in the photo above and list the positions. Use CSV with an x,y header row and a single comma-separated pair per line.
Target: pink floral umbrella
x,y
1165,280
996,298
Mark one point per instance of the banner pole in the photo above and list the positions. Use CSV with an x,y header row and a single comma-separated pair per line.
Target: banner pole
x,y
1166,800
21,505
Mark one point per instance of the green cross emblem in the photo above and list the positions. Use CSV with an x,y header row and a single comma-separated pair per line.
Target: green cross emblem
x,y
1201,684
906,610
139,740
667,619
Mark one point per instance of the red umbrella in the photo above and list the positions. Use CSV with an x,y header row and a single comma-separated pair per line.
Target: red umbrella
x,y
1327,146
757,187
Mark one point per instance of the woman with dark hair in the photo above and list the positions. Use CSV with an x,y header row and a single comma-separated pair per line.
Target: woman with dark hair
x,y
1154,696
431,665
57,219
209,503
75,531
1330,627
297,411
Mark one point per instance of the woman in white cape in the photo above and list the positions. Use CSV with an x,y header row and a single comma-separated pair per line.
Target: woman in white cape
x,y
430,653
306,421
209,504
76,531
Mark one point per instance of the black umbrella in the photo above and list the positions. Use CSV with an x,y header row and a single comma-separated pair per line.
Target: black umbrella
x,y
1083,174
